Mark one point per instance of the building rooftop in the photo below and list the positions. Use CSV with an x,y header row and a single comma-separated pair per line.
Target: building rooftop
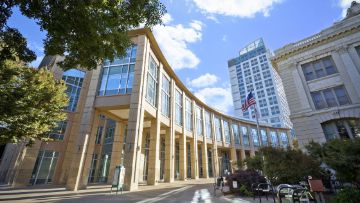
x,y
251,50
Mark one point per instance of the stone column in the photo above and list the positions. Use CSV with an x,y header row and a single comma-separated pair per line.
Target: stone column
x,y
116,150
194,147
154,159
24,164
233,155
268,136
90,150
204,147
215,152
170,138
348,72
182,144
134,133
154,151
78,149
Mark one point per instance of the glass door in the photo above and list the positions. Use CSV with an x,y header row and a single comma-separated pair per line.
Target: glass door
x,y
44,167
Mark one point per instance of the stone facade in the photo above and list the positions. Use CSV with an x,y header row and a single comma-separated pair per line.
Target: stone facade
x,y
321,76
153,125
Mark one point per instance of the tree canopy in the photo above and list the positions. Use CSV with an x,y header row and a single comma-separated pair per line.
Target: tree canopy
x,y
284,165
31,102
341,155
87,32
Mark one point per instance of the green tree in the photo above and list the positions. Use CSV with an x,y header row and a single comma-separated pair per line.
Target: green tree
x,y
288,165
31,102
255,162
87,31
341,155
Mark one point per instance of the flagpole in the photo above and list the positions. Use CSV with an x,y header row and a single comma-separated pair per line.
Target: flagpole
x,y
257,124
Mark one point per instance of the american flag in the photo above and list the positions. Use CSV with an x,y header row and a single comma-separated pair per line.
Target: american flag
x,y
250,100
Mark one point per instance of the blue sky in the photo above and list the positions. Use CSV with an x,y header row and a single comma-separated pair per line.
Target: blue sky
x,y
199,36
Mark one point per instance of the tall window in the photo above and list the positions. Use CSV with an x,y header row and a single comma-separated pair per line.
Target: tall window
x,y
218,129
73,79
58,132
44,167
199,127
284,139
188,115
330,97
152,82
178,108
165,96
208,125
245,135
319,68
255,137
118,75
99,134
226,132
235,129
341,129
274,139
264,137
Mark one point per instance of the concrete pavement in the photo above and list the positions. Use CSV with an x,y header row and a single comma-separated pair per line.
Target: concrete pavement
x,y
193,191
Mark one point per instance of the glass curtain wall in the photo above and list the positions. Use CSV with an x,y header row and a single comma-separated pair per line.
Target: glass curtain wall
x,y
165,96
199,127
73,79
44,167
236,133
245,135
152,83
218,130
227,132
117,76
264,140
208,125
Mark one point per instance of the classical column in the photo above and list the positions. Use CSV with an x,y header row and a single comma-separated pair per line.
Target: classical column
x,y
204,147
117,147
182,144
233,155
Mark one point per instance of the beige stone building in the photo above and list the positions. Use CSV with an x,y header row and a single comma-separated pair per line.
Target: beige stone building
x,y
321,77
134,112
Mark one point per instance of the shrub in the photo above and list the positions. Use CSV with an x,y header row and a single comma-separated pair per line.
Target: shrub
x,y
245,178
244,191
348,195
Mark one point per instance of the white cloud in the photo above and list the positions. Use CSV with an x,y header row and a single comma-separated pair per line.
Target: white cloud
x,y
213,18
204,80
224,38
174,40
344,4
217,97
237,8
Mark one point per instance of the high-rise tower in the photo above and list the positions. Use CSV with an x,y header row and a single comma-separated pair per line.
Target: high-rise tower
x,y
252,71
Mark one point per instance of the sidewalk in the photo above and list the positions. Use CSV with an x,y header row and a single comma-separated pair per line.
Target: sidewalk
x,y
51,193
